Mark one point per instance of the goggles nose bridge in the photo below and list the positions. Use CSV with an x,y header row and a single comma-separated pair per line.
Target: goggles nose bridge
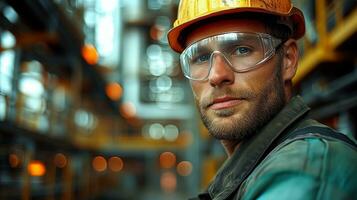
x,y
219,53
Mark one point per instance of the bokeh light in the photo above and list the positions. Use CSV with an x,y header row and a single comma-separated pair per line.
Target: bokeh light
x,y
156,131
36,168
128,110
114,91
171,132
90,54
167,160
168,182
184,168
99,164
157,32
14,160
115,164
60,160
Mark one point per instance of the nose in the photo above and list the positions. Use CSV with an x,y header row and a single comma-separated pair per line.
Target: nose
x,y
221,73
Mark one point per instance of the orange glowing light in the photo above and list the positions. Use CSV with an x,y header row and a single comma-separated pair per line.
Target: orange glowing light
x,y
156,32
99,164
116,164
184,168
167,160
14,160
128,110
90,54
36,168
168,182
114,91
60,160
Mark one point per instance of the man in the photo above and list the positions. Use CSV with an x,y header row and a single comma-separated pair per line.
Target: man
x,y
240,57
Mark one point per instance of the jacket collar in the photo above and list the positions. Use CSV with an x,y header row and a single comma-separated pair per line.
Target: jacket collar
x,y
237,168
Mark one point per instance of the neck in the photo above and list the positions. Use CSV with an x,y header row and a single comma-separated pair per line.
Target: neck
x,y
230,146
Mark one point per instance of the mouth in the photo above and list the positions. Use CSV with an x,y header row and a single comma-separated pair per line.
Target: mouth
x,y
224,103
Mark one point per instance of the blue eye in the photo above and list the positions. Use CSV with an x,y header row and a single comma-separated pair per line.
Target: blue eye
x,y
201,59
241,51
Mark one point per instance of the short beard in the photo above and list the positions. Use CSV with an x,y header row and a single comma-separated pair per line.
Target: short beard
x,y
270,101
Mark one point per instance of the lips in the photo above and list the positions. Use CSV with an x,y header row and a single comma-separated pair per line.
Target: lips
x,y
224,103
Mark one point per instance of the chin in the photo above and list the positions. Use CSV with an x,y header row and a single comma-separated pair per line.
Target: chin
x,y
232,127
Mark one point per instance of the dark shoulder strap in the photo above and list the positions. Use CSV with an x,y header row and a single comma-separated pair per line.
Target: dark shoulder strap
x,y
324,131
202,196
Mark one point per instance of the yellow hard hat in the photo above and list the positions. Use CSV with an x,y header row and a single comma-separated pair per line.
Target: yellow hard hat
x,y
192,11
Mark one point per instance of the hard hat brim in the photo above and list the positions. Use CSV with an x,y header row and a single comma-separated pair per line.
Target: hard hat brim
x,y
295,16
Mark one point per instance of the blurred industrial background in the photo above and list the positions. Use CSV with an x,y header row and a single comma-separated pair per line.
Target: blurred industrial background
x,y
93,104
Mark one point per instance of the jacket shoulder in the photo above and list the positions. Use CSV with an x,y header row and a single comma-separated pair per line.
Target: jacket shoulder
x,y
305,168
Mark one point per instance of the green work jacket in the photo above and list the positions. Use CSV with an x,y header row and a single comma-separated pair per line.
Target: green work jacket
x,y
266,166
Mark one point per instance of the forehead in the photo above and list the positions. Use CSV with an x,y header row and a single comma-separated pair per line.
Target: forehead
x,y
217,27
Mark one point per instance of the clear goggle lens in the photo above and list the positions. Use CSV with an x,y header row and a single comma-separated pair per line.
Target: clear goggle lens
x,y
242,51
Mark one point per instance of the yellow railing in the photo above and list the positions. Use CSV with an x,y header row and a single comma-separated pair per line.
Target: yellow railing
x,y
328,41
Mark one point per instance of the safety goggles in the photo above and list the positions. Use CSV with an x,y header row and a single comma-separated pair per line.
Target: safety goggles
x,y
242,52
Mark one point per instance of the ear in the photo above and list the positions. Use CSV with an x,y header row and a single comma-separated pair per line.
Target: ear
x,y
290,60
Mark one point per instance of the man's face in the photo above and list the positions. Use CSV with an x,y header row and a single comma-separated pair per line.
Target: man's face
x,y
235,105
